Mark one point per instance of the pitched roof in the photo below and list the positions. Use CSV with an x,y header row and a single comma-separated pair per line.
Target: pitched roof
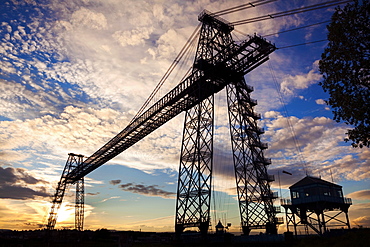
x,y
308,180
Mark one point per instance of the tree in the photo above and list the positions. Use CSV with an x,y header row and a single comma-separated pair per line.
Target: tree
x,y
345,68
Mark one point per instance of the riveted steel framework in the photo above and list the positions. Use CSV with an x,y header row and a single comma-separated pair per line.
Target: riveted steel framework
x,y
194,186
79,205
74,161
219,61
252,180
195,173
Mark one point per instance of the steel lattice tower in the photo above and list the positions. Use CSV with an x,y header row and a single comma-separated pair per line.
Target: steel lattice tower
x,y
219,62
79,205
252,180
74,161
195,173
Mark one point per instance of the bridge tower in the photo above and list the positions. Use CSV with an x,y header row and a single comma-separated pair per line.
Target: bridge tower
x,y
74,161
195,174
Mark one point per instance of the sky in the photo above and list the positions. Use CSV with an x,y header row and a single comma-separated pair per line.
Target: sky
x,y
74,73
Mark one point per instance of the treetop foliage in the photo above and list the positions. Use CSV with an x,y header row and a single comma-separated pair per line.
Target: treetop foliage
x,y
345,66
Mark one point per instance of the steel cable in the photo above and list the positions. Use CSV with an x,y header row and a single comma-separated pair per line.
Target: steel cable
x,y
289,12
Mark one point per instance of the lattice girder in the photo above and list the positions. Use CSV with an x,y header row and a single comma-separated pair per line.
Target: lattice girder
x,y
74,161
194,184
254,194
80,205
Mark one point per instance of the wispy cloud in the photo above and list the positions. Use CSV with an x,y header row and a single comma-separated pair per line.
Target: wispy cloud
x,y
360,195
115,182
148,190
110,198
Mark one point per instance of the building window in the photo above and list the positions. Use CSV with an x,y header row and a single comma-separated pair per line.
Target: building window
x,y
340,193
295,194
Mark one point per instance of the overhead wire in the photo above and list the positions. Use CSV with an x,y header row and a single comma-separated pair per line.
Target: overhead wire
x,y
306,43
297,28
289,12
168,72
242,7
285,112
290,30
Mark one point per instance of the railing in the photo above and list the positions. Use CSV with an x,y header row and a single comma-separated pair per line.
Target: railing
x,y
271,195
277,209
285,202
260,144
322,198
279,220
347,200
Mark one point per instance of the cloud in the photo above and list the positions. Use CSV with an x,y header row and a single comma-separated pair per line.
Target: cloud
x,y
360,195
93,194
110,198
133,37
88,18
14,182
115,182
293,82
150,190
320,102
363,221
313,145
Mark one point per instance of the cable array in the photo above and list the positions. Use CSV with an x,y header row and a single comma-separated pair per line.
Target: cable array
x,y
306,43
289,12
242,7
297,28
175,62
285,111
253,4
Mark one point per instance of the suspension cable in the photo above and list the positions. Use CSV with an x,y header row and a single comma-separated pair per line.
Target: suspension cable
x,y
242,7
297,28
169,71
312,42
285,112
289,30
290,12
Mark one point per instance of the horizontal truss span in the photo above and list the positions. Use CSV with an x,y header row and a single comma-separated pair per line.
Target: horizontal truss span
x,y
208,78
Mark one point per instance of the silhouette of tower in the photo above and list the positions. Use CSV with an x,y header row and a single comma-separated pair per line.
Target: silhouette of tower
x,y
217,61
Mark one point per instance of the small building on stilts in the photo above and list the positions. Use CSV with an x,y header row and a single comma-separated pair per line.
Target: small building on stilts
x,y
316,205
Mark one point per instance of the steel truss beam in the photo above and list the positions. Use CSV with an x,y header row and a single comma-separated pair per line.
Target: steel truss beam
x,y
252,180
228,60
